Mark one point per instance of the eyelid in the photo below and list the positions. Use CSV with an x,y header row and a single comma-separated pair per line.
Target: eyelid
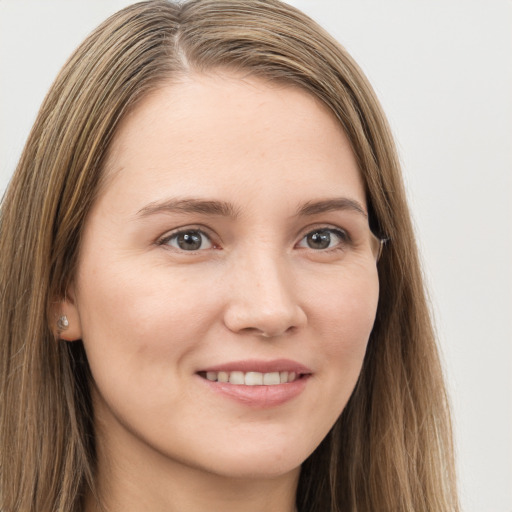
x,y
164,239
343,233
343,240
319,227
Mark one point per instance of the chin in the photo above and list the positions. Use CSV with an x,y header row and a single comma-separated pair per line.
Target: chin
x,y
262,470
254,461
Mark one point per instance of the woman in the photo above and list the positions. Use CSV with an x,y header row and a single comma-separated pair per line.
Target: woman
x,y
197,312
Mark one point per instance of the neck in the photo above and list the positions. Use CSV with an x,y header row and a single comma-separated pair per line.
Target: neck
x,y
128,481
194,493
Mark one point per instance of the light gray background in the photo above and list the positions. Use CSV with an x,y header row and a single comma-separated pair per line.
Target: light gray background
x,y
443,71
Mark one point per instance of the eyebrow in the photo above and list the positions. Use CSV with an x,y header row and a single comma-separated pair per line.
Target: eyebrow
x,y
189,205
329,205
226,209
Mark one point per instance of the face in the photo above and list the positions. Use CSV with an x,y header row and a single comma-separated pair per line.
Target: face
x,y
227,281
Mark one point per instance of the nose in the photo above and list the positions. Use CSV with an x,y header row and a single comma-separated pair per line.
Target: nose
x,y
263,299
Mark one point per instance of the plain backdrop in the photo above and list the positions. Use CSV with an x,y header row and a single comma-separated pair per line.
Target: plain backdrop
x,y
443,72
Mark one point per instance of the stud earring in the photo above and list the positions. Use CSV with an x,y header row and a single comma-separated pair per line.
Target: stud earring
x,y
63,323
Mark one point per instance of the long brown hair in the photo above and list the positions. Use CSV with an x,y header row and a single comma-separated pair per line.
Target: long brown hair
x,y
391,448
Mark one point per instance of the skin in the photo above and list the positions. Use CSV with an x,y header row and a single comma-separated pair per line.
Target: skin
x,y
152,315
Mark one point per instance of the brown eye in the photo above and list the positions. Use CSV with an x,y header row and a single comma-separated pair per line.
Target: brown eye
x,y
190,240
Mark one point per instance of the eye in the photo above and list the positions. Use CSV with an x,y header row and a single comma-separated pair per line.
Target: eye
x,y
188,240
325,238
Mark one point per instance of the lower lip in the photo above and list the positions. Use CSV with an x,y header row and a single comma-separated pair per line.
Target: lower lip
x,y
260,396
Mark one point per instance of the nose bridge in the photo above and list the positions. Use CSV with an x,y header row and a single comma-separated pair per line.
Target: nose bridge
x,y
263,298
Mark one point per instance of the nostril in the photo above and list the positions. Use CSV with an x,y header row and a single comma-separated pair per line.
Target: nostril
x,y
271,310
267,333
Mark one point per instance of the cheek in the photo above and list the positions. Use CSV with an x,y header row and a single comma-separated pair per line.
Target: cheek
x,y
346,306
345,316
129,314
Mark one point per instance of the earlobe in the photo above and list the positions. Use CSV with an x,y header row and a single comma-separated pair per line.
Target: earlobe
x,y
66,320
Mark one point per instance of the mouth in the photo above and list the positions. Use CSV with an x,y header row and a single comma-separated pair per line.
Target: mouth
x,y
257,384
252,378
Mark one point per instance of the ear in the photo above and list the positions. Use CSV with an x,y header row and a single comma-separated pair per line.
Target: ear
x,y
66,323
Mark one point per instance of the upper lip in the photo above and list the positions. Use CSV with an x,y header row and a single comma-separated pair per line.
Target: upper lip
x,y
261,366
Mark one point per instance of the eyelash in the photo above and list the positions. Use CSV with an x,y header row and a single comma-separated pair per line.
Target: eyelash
x,y
174,235
342,235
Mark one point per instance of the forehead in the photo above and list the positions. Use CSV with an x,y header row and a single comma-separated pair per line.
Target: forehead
x,y
216,133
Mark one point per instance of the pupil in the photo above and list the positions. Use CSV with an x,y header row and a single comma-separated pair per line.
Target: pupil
x,y
319,240
190,241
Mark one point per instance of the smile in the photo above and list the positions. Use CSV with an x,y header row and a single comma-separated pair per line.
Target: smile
x,y
256,383
251,378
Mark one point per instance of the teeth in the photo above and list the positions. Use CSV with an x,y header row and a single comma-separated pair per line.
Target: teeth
x,y
271,379
236,378
252,378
